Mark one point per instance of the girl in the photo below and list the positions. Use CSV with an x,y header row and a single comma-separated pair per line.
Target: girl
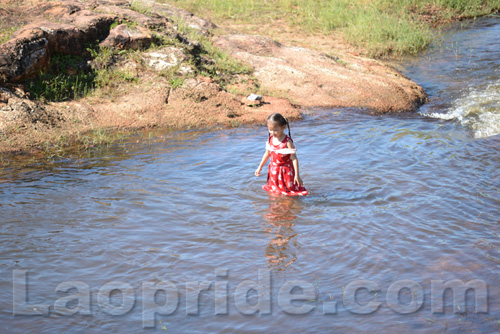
x,y
283,176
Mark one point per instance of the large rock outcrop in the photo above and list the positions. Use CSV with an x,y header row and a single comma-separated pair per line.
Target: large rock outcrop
x,y
65,27
156,90
316,79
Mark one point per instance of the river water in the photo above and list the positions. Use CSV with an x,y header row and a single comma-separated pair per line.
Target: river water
x,y
179,225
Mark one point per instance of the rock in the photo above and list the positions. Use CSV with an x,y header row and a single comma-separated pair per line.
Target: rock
x,y
123,37
154,22
94,28
19,110
315,79
53,9
28,51
165,58
206,79
250,102
4,97
24,56
194,22
254,97
199,90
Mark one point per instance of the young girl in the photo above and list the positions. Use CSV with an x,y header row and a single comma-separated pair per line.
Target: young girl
x,y
283,176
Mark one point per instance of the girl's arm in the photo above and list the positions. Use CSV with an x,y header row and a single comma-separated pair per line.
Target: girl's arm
x,y
262,162
295,161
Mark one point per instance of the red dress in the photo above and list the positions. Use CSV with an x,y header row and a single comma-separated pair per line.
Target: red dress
x,y
281,171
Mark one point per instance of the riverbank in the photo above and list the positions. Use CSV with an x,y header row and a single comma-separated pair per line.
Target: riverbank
x,y
59,89
157,66
374,28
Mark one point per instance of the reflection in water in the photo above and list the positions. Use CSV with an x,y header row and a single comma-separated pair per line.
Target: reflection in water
x,y
281,251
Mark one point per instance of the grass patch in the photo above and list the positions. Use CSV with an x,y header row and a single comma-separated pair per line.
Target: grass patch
x,y
210,61
107,76
381,27
130,24
66,79
6,33
73,77
100,137
140,7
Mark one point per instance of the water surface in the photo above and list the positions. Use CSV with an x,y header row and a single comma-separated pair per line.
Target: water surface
x,y
392,198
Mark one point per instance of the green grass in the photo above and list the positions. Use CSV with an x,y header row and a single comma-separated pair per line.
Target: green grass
x,y
69,77
63,81
6,33
138,6
380,26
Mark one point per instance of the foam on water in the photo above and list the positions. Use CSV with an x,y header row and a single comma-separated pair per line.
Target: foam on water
x,y
462,78
478,111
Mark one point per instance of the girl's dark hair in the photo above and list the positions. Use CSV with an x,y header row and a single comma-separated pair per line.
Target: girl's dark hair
x,y
278,118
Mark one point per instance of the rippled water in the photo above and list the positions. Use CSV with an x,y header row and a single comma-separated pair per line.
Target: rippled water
x,y
462,76
392,199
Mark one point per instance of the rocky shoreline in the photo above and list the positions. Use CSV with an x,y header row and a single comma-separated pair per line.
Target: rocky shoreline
x,y
166,82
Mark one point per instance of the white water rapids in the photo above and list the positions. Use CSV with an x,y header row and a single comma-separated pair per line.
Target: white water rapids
x,y
478,111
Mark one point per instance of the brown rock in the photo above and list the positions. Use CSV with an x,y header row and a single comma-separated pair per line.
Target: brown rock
x,y
154,22
123,37
28,51
24,56
62,38
251,103
199,90
314,79
3,97
54,9
94,27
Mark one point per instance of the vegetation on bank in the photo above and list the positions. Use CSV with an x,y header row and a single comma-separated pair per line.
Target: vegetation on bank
x,y
382,27
73,77
103,72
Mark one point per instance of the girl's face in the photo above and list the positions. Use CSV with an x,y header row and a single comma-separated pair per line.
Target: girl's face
x,y
275,129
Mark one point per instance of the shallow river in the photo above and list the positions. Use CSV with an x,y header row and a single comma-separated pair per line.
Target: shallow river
x,y
179,226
